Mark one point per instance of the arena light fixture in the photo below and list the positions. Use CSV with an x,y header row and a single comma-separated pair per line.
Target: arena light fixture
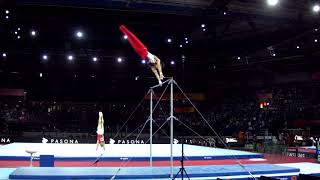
x,y
79,34
44,57
33,33
272,2
316,8
70,57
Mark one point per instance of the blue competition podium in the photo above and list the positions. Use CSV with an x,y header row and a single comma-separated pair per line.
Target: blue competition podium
x,y
46,160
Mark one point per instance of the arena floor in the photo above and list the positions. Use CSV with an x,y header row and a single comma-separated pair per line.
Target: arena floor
x,y
131,161
120,152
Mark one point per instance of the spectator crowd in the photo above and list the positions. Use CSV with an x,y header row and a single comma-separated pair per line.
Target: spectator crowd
x,y
229,115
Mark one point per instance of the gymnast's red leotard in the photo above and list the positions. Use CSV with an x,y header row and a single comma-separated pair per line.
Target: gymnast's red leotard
x,y
100,138
137,45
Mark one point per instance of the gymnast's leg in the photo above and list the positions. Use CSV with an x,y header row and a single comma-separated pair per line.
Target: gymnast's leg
x,y
136,44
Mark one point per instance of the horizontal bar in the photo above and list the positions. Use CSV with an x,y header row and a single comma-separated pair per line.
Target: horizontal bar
x,y
168,80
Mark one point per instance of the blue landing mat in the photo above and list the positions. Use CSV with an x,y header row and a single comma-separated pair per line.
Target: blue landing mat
x,y
151,173
4,173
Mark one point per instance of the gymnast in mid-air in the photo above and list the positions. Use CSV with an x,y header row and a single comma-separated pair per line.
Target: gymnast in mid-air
x,y
153,61
100,132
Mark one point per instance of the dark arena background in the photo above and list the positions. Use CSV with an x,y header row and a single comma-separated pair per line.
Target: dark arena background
x,y
240,97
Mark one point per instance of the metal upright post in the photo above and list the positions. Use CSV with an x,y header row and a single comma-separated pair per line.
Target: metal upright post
x,y
171,128
151,110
